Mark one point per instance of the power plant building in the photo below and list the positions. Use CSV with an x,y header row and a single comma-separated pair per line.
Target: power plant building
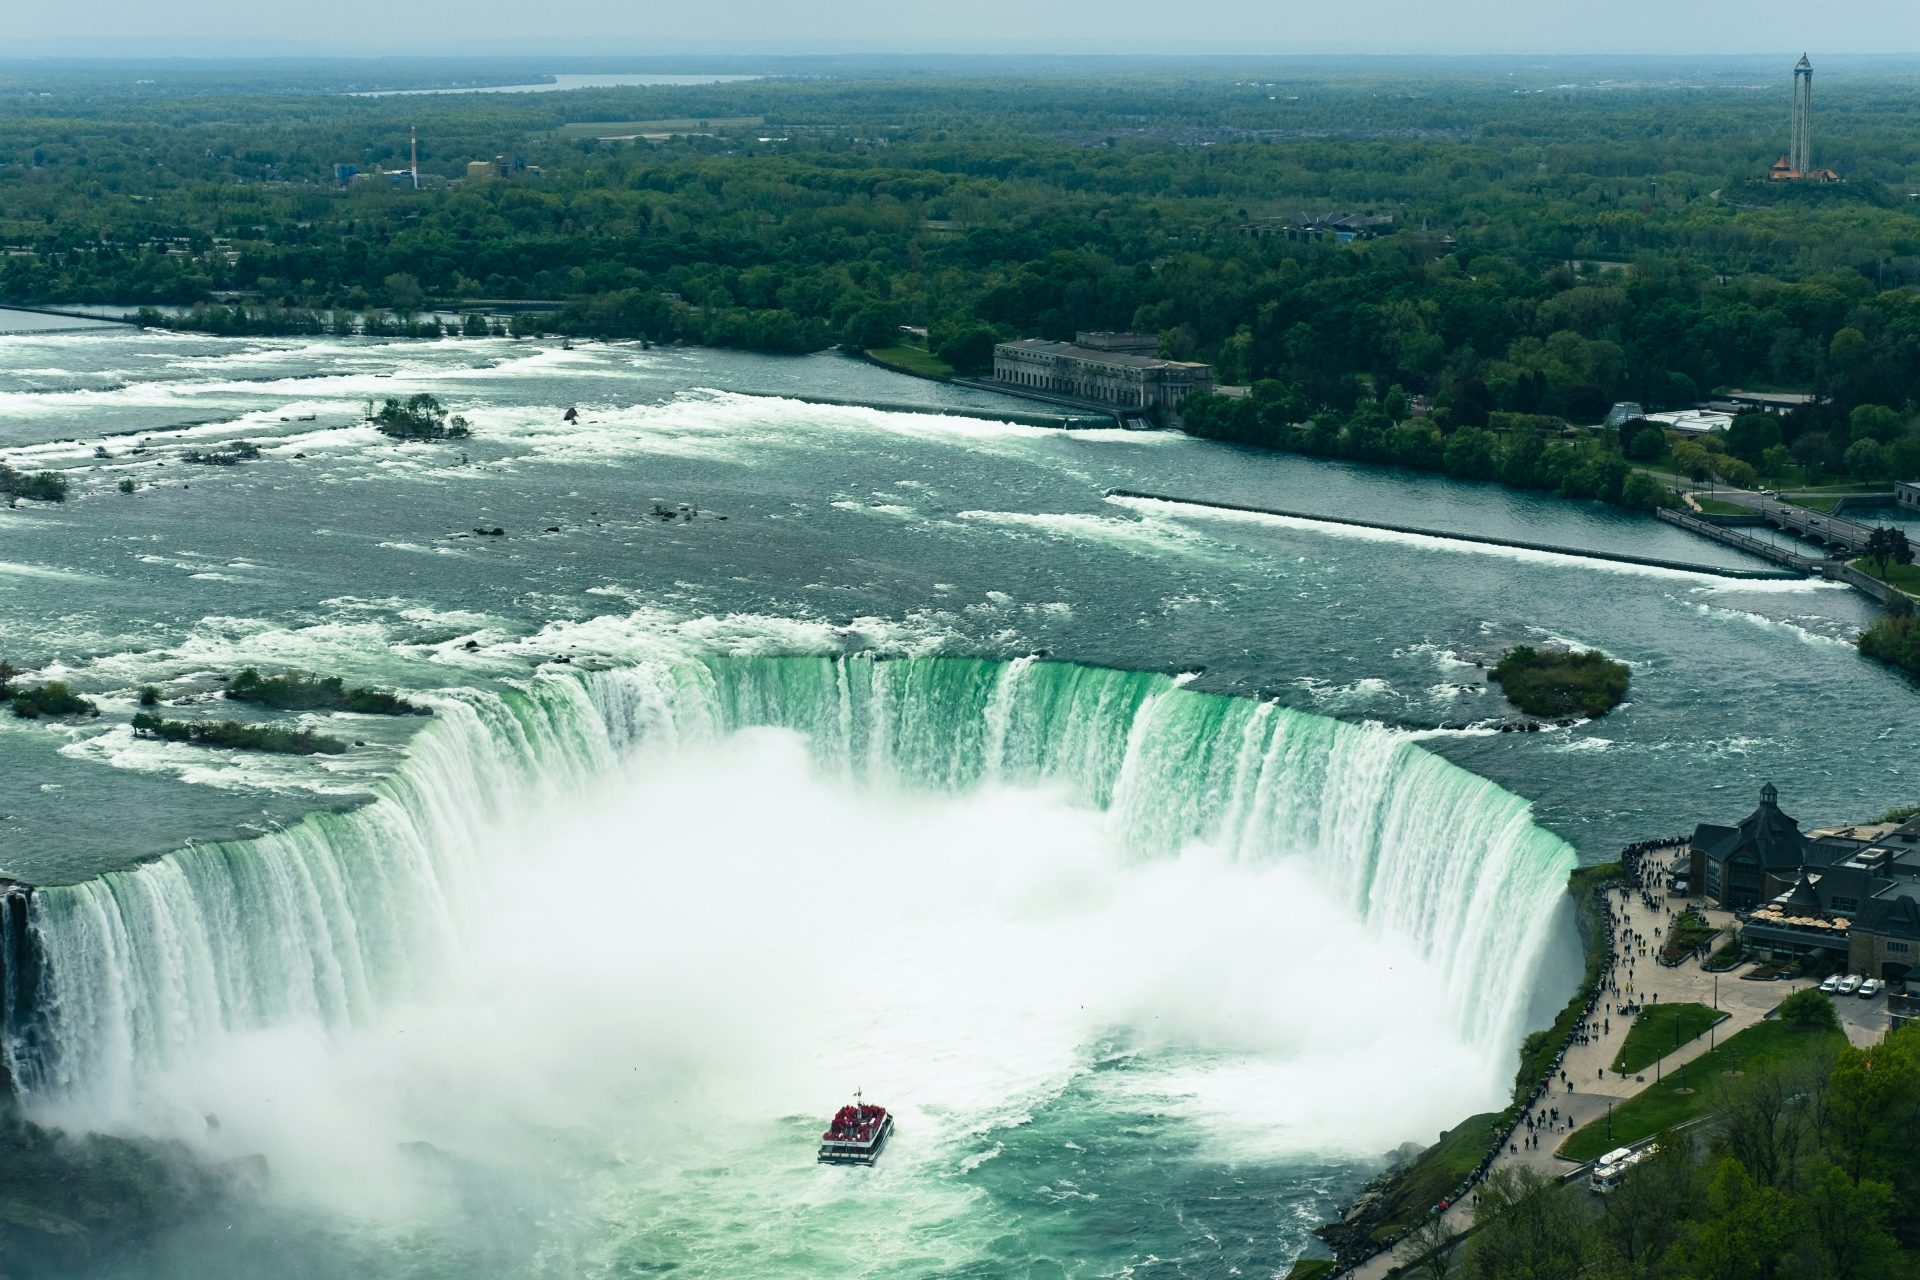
x,y
1121,370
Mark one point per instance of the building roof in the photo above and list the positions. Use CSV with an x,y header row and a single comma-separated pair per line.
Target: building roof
x,y
1895,910
1802,899
1767,833
1791,398
1092,355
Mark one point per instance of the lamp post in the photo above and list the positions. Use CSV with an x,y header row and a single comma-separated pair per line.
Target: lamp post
x,y
1609,1121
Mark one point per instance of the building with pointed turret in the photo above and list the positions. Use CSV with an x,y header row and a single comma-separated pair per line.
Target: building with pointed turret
x,y
1847,894
1738,868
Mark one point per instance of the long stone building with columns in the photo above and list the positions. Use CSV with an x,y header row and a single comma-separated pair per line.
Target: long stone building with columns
x,y
1121,370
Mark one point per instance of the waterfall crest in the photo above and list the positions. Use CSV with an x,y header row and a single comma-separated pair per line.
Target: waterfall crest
x,y
330,918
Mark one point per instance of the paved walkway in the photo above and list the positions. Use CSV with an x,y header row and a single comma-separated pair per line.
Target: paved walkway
x,y
1590,1082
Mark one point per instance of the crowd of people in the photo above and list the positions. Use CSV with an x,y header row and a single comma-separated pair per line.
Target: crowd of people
x,y
1610,995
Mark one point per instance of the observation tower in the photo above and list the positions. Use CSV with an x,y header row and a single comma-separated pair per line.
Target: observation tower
x,y
1797,164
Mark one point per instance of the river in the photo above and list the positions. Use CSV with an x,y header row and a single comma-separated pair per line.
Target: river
x,y
1142,938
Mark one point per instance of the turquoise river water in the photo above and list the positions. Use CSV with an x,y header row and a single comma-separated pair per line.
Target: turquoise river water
x,y
1160,866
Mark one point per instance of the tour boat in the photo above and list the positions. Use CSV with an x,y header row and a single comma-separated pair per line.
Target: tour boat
x,y
857,1133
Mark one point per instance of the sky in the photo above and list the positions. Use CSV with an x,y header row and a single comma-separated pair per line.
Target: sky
x,y
123,28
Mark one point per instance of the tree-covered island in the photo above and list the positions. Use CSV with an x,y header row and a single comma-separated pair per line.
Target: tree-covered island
x,y
1551,683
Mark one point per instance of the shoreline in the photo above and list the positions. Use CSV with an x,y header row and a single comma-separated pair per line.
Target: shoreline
x,y
1384,1202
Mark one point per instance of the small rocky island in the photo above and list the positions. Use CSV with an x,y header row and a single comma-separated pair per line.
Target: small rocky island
x,y
1551,683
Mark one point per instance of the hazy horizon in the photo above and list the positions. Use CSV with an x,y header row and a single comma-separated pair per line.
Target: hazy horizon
x,y
361,28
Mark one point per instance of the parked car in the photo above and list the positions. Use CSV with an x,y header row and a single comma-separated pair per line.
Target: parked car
x,y
1832,984
1871,988
1850,984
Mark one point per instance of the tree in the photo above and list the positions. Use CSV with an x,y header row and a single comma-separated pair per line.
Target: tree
x,y
1865,460
1395,404
1752,434
970,350
1809,1007
1775,461
1586,403
1469,454
422,417
1642,492
1875,422
1765,1123
1524,1227
1736,473
1887,543
1847,349
1746,1233
404,292
870,327
1814,450
1647,443
1850,1221
1693,461
1437,1246
1472,402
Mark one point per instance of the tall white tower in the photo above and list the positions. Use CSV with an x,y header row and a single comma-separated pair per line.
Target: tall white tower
x,y
1800,155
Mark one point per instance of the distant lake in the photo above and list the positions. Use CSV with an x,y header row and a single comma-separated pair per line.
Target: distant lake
x,y
562,83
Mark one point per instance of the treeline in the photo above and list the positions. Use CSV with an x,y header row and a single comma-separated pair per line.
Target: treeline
x,y
1551,253
1806,1173
1525,452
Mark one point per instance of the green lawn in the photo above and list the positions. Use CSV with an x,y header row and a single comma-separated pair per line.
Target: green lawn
x,y
914,360
1660,1029
1685,1094
1715,507
1904,576
1312,1269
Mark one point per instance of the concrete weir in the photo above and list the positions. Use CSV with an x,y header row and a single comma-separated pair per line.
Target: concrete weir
x,y
1584,553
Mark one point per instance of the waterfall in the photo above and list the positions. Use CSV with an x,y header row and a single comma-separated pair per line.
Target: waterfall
x,y
330,918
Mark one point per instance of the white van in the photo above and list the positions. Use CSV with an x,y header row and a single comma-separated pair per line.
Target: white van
x,y
1850,984
1832,984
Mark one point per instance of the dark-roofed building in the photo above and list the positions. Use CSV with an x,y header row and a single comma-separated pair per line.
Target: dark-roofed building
x,y
1856,897
1738,868
1886,929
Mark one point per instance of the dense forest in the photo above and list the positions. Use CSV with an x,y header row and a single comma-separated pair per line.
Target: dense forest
x,y
1562,237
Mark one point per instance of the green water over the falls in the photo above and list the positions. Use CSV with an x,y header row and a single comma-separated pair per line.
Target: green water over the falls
x,y
563,980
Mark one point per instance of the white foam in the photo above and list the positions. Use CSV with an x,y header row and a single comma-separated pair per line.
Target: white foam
x,y
1432,542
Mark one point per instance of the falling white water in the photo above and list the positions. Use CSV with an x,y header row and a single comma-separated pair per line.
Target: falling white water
x,y
749,884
